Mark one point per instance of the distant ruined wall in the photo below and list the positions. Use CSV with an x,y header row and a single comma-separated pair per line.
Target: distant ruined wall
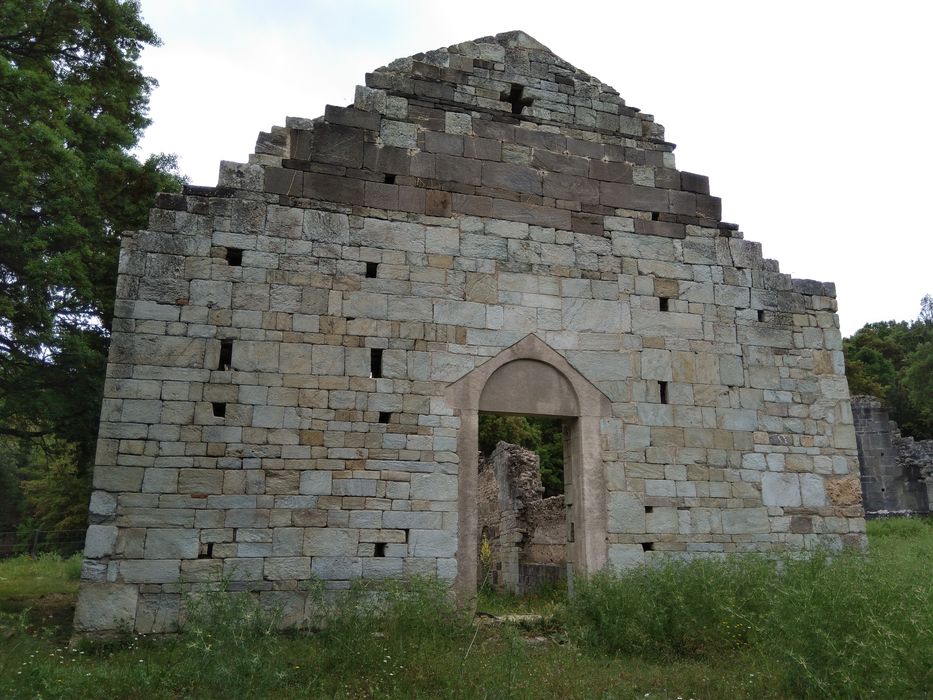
x,y
897,471
526,532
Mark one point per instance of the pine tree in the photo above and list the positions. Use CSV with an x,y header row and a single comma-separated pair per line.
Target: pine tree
x,y
73,104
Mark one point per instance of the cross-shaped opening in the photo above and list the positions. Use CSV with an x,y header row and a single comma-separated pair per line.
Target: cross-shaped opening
x,y
514,97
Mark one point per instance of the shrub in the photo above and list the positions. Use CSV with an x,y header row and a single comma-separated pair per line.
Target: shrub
x,y
844,624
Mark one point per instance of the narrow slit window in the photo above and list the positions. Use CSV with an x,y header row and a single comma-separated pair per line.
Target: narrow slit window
x,y
234,257
380,549
390,178
225,361
655,216
761,315
662,391
219,408
647,546
375,363
384,416
207,551
649,509
372,269
663,303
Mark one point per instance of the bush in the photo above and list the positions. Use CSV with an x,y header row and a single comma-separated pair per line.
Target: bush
x,y
831,625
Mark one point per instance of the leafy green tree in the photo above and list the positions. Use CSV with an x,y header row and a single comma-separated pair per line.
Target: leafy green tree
x,y
894,362
73,105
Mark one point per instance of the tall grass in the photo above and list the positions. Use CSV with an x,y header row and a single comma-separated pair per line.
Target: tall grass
x,y
831,626
845,624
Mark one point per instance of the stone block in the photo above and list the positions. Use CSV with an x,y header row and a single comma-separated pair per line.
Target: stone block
x,y
150,570
331,568
173,543
322,542
99,541
812,490
780,489
745,521
432,543
434,487
594,315
287,568
106,607
626,512
626,556
116,479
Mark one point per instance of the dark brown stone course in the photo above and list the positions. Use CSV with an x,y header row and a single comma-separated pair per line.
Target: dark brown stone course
x,y
511,177
494,130
386,159
337,145
571,187
334,189
440,142
282,181
610,171
559,163
471,205
348,116
691,182
587,149
437,203
531,214
614,194
709,207
482,149
299,141
427,117
411,199
587,223
454,169
541,139
660,228
380,195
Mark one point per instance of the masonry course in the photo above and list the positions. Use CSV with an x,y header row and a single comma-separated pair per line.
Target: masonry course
x,y
289,347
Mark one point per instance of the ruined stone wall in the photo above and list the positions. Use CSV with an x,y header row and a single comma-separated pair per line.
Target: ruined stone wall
x,y
896,471
526,533
275,399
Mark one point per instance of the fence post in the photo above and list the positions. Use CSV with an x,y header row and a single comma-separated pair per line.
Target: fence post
x,y
35,544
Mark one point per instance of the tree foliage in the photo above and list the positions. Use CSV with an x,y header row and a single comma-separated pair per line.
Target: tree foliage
x,y
544,436
894,362
73,104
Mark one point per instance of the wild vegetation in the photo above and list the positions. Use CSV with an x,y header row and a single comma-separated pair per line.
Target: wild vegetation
x,y
74,103
893,360
846,625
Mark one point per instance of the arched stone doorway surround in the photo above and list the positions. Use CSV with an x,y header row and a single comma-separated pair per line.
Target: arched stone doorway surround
x,y
530,378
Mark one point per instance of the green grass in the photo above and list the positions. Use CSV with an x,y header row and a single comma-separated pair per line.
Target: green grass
x,y
24,577
843,626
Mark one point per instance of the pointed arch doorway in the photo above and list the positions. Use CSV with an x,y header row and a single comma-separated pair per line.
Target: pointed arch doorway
x,y
529,378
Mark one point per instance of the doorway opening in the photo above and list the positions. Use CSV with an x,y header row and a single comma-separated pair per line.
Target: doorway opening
x,y
532,379
524,515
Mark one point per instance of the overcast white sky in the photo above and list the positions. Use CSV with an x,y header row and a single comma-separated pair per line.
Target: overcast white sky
x,y
811,119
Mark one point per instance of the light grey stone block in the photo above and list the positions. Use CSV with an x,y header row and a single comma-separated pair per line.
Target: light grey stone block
x,y
106,607
172,544
331,542
780,489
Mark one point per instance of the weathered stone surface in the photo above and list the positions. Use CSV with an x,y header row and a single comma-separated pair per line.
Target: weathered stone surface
x,y
105,607
299,357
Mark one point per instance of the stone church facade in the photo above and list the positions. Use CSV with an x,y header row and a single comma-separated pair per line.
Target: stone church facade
x,y
300,354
